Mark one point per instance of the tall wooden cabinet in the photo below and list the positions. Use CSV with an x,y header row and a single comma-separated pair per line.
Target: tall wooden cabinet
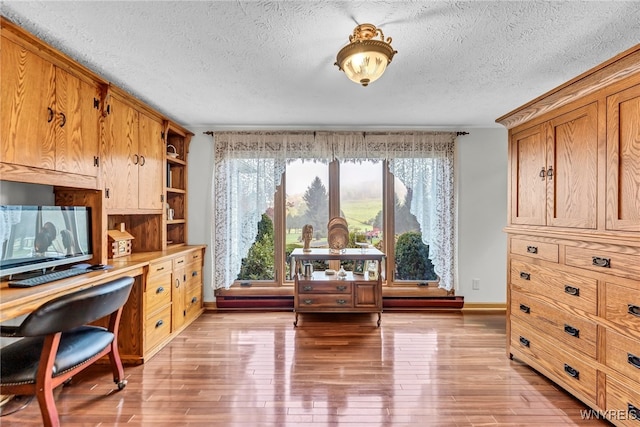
x,y
573,309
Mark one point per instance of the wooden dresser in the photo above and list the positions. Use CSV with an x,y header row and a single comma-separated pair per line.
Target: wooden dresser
x,y
574,237
322,293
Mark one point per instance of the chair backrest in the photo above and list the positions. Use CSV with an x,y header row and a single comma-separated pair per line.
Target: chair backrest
x,y
77,309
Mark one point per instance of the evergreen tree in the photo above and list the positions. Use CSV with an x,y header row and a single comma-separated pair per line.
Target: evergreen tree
x,y
259,263
317,201
412,258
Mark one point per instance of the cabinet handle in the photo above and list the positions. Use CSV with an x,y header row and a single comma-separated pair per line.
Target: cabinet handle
x,y
159,268
633,310
136,158
525,342
50,116
634,412
159,323
159,290
177,283
525,276
543,173
180,261
532,249
308,301
571,290
341,301
525,309
307,288
194,300
633,360
63,120
601,262
194,273
572,372
142,161
341,287
550,173
572,331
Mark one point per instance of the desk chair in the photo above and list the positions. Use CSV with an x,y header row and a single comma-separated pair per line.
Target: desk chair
x,y
58,343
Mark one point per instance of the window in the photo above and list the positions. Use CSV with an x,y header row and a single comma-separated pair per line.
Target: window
x,y
267,186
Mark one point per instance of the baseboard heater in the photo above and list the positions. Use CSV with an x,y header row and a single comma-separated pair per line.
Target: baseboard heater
x,y
285,303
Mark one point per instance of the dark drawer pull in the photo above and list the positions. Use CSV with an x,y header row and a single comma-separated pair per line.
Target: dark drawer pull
x,y
634,412
159,323
341,287
572,372
308,301
633,360
571,290
160,269
341,302
525,309
532,249
194,300
307,288
525,342
601,262
159,290
194,273
525,276
572,331
634,310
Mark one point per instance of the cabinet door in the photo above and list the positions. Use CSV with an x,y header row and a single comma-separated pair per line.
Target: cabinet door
x,y
178,295
151,150
528,188
121,162
77,124
572,168
27,108
623,161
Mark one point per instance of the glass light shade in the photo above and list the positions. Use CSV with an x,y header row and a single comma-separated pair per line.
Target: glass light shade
x,y
365,67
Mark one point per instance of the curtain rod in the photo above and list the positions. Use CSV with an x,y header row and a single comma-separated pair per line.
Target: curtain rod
x,y
210,132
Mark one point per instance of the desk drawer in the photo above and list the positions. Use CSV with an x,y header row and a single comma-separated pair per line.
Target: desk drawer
x,y
623,354
556,285
623,306
193,302
160,268
179,261
158,292
534,249
577,332
619,264
157,327
315,301
624,401
194,256
321,287
549,356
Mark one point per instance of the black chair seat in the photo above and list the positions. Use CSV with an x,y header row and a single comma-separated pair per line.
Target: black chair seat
x,y
19,361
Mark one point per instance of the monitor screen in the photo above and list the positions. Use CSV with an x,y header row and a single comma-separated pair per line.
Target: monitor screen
x,y
40,237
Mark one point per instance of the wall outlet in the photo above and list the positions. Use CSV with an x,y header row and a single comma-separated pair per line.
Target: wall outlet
x,y
475,284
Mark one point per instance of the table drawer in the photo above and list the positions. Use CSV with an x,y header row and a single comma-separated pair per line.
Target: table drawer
x,y
160,268
623,306
623,354
311,287
549,356
534,249
315,301
179,261
556,285
624,401
577,332
607,262
157,327
158,292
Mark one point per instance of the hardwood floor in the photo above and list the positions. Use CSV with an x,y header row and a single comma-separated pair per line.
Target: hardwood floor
x,y
256,369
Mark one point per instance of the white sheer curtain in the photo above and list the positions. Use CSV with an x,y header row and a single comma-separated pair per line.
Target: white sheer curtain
x,y
249,165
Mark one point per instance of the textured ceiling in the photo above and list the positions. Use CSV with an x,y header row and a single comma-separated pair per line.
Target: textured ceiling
x,y
268,64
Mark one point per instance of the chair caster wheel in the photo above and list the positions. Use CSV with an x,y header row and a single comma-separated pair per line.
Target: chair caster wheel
x,y
122,384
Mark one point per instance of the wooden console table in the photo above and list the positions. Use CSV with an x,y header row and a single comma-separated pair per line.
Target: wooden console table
x,y
323,293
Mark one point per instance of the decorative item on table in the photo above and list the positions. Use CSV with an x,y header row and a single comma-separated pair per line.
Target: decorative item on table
x,y
372,270
307,235
172,152
363,246
358,267
342,273
120,242
308,270
338,235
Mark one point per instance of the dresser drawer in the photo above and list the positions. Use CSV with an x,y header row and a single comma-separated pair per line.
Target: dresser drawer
x,y
321,287
623,354
555,285
160,268
625,265
157,327
547,355
623,306
577,332
624,401
534,249
315,301
194,256
194,273
158,292
193,302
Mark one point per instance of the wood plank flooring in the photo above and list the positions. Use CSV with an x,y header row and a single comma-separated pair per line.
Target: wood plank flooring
x,y
256,369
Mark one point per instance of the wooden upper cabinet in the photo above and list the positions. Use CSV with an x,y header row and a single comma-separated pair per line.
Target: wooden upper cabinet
x,y
623,161
554,171
49,118
151,169
26,107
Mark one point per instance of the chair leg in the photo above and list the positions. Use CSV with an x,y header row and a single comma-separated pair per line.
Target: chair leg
x,y
116,366
48,407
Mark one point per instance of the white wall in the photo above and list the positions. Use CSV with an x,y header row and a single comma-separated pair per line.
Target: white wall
x,y
482,207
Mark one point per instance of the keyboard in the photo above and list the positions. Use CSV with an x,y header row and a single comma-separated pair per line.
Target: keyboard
x,y
47,277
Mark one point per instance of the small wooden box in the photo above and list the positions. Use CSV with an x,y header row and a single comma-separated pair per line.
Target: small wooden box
x,y
120,242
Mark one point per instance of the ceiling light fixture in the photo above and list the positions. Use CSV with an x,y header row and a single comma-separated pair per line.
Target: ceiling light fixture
x,y
364,59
